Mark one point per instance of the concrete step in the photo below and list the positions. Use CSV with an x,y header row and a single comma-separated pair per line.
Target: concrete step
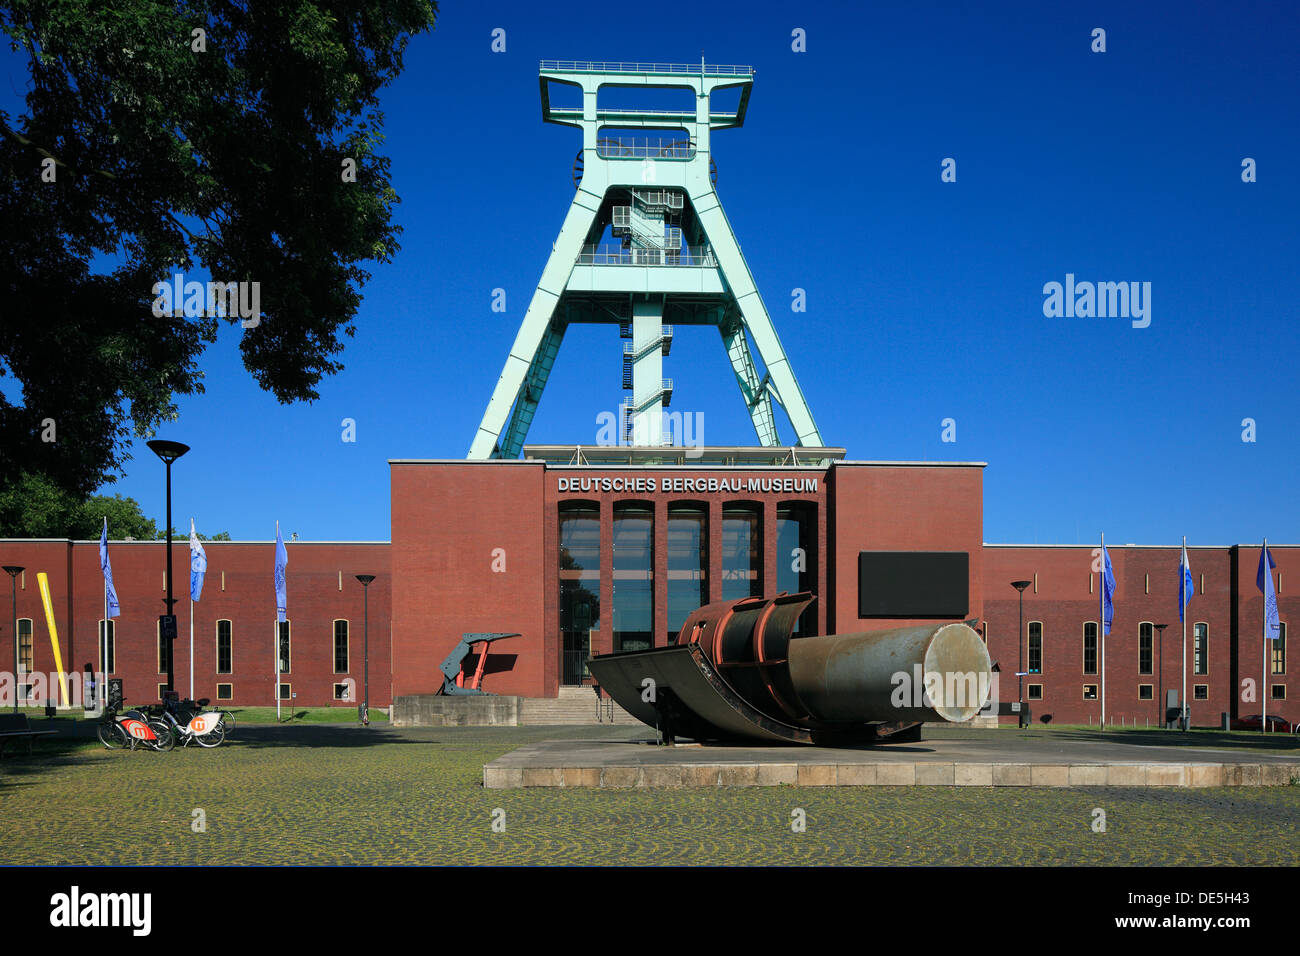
x,y
573,706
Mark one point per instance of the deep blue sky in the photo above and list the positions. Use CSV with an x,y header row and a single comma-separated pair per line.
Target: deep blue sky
x,y
924,298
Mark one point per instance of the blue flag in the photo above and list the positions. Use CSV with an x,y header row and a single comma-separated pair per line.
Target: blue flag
x,y
1264,581
1185,587
198,564
281,588
114,609
1107,591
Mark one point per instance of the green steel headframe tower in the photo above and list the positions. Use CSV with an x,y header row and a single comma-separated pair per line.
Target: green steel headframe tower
x,y
675,260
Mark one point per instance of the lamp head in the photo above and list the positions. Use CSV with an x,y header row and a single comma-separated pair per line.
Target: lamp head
x,y
14,570
365,579
1021,585
168,451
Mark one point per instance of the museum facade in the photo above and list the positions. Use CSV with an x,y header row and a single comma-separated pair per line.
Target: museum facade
x,y
589,551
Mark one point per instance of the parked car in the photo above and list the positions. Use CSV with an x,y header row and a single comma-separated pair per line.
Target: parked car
x,y
1276,724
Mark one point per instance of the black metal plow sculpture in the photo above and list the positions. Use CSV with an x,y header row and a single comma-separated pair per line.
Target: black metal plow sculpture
x,y
736,671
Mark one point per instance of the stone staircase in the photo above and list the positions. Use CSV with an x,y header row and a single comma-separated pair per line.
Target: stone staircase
x,y
575,705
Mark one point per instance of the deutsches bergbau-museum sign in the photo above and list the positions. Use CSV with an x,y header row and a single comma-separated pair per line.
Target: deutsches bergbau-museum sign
x,y
684,485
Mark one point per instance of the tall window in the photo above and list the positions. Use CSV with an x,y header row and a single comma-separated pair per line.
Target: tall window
x,y
106,651
286,659
340,647
1035,647
1090,647
1279,650
688,553
633,572
164,652
742,554
796,528
26,663
1145,646
225,650
1201,655
579,588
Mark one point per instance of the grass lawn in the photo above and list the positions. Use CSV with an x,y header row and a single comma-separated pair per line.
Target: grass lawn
x,y
310,793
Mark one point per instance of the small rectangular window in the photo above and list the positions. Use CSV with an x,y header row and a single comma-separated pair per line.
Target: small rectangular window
x,y
162,691
1277,692
1200,692
225,691
1089,691
342,691
1146,692
1035,691
286,692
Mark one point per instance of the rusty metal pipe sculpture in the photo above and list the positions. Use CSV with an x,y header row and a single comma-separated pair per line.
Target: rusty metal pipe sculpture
x,y
737,671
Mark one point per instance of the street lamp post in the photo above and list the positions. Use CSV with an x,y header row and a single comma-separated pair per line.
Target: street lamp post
x,y
169,451
1020,679
13,571
365,580
1160,629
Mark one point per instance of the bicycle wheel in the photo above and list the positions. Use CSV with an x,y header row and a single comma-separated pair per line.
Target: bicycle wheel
x,y
111,735
228,720
214,737
164,740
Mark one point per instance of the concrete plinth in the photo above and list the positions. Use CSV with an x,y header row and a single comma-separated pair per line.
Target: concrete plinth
x,y
435,710
943,762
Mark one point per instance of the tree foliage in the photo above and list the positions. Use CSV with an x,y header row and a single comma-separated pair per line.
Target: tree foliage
x,y
224,161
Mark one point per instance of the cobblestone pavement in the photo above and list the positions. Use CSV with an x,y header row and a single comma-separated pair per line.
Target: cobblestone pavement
x,y
336,795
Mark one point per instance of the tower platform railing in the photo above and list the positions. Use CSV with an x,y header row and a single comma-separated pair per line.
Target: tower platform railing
x,y
598,66
697,256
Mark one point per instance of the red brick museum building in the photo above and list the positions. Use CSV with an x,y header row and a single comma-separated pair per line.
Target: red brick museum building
x,y
587,551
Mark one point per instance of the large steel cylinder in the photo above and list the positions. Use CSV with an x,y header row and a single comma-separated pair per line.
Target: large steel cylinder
x,y
927,672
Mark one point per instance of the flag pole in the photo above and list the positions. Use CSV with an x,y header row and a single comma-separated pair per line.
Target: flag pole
x,y
1263,675
1101,625
1183,571
191,611
103,639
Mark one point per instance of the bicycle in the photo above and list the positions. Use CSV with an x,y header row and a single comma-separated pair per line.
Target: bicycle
x,y
207,728
133,728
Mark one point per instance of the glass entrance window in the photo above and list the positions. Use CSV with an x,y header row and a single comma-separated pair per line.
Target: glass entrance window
x,y
688,548
633,573
795,531
579,589
742,554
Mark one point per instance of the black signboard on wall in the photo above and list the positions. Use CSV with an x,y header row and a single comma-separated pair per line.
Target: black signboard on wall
x,y
913,584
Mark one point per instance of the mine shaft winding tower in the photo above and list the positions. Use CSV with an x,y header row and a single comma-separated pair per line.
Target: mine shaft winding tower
x,y
646,178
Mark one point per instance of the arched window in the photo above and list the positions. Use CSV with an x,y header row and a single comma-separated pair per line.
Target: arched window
x,y
340,647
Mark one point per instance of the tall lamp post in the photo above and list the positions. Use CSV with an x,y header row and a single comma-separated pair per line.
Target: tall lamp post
x,y
365,580
1160,629
169,451
1020,639
13,571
